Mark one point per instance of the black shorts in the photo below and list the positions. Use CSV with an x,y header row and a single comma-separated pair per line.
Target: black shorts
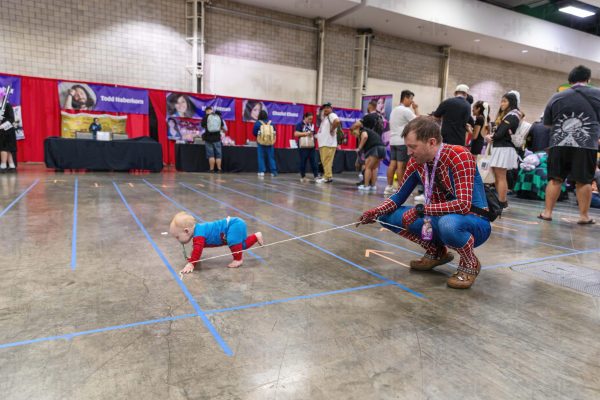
x,y
399,153
573,162
377,152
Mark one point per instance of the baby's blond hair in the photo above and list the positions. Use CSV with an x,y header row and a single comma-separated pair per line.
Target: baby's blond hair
x,y
182,220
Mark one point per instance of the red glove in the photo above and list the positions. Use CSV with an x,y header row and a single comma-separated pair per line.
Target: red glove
x,y
409,217
371,215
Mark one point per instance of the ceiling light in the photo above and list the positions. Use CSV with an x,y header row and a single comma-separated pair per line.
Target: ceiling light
x,y
524,51
578,12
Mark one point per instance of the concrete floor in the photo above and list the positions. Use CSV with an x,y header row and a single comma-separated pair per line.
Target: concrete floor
x,y
91,306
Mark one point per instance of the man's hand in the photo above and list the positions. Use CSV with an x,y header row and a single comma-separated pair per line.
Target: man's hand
x,y
489,138
368,217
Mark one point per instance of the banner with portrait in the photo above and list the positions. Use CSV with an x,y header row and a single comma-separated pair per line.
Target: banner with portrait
x,y
72,123
14,98
278,113
87,97
183,129
181,105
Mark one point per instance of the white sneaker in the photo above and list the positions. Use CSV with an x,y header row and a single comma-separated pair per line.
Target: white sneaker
x,y
420,199
303,180
389,189
319,180
373,188
363,188
261,174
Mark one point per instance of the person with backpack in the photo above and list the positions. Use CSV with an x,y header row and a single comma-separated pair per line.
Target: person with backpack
x,y
504,155
305,134
212,124
456,214
264,131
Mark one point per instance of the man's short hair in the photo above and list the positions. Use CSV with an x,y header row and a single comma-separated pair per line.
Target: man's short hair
x,y
580,73
208,108
425,127
373,103
405,94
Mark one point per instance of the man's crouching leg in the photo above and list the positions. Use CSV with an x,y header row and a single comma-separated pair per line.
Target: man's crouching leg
x,y
435,253
468,267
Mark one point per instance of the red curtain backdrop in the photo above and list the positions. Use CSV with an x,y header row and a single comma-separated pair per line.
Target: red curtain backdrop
x,y
41,118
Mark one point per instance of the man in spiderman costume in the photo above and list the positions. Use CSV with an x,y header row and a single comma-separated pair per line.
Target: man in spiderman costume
x,y
453,190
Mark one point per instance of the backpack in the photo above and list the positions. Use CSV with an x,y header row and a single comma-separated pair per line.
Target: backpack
x,y
213,123
266,135
519,136
341,136
379,125
494,207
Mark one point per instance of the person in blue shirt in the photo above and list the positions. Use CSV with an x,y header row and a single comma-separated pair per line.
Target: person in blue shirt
x,y
305,134
230,231
261,150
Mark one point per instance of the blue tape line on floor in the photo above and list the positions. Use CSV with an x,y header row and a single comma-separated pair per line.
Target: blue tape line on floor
x,y
74,239
405,288
184,208
303,297
15,201
184,288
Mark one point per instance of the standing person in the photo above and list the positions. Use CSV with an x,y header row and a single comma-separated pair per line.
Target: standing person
x,y
263,127
539,136
573,115
460,223
327,139
305,132
8,134
373,118
95,127
455,114
504,155
212,124
399,118
370,142
481,111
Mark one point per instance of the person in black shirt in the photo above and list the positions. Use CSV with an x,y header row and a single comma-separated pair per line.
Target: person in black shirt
x,y
455,113
370,142
481,111
8,136
504,156
95,127
212,124
539,137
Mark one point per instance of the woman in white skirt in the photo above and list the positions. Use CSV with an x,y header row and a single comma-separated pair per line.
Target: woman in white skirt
x,y
504,156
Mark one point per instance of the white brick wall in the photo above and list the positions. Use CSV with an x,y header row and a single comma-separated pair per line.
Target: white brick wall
x,y
139,43
142,43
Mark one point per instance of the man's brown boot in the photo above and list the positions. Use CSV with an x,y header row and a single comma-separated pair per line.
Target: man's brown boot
x,y
427,263
464,277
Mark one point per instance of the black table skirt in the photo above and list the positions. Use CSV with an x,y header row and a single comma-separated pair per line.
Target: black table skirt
x,y
192,158
120,155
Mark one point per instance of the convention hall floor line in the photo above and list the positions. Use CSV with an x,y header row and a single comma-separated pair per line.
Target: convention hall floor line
x,y
91,306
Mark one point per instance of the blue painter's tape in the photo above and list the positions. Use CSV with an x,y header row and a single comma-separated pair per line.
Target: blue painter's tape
x,y
415,293
304,297
15,201
69,336
318,219
184,208
184,288
574,253
74,239
354,211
